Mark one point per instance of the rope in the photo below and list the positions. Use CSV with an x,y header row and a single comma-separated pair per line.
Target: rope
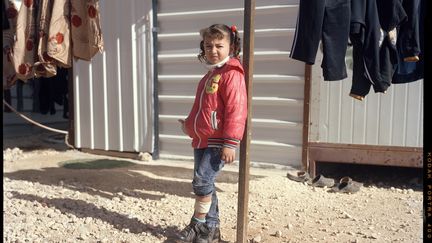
x,y
40,125
34,122
67,143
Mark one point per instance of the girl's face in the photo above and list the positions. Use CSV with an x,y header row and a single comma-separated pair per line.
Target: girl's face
x,y
216,50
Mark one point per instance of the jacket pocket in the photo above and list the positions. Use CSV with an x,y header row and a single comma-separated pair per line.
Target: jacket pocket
x,y
213,119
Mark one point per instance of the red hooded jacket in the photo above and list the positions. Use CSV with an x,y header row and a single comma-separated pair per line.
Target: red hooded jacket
x,y
218,115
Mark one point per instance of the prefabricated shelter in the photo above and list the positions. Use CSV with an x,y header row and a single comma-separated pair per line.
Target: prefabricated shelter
x,y
116,98
383,129
128,98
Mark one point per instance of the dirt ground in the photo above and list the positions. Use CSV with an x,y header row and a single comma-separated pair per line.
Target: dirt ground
x,y
56,194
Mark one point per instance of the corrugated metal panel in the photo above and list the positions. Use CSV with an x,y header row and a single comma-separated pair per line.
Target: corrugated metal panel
x,y
391,119
113,92
278,80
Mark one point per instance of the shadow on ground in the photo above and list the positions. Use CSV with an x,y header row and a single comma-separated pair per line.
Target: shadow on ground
x,y
108,177
39,140
374,175
83,209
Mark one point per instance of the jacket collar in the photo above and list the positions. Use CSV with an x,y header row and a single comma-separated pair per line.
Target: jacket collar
x,y
234,63
217,65
229,62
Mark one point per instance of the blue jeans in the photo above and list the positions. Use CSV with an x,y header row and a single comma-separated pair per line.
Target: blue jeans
x,y
207,165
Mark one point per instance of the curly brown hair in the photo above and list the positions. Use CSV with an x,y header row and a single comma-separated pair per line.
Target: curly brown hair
x,y
219,31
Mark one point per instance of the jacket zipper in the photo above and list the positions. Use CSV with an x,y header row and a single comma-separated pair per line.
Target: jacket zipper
x,y
214,120
199,110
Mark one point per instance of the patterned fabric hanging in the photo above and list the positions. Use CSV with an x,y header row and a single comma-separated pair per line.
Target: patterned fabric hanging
x,y
86,32
45,32
24,54
9,74
44,65
59,34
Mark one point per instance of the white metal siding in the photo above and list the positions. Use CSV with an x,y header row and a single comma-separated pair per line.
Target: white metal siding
x,y
391,119
278,80
113,92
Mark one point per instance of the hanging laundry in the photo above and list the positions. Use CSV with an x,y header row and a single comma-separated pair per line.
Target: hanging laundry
x,y
9,15
9,12
5,20
44,65
86,32
410,45
58,48
26,36
328,21
44,35
373,34
53,90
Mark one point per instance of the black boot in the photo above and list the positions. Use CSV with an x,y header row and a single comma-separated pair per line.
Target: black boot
x,y
212,237
190,233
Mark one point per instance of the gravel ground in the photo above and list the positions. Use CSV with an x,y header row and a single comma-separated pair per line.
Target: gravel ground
x,y
55,194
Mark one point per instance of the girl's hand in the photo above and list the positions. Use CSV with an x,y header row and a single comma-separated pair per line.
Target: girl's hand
x,y
228,155
182,124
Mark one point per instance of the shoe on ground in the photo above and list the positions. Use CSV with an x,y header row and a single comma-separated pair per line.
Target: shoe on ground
x,y
347,185
213,236
299,176
191,232
321,181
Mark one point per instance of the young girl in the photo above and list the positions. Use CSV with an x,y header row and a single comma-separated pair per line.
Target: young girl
x,y
216,124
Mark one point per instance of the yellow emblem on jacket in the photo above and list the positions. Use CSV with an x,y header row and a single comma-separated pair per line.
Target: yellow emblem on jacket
x,y
212,84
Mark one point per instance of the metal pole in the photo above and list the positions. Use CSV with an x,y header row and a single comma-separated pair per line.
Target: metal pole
x,y
71,94
306,108
243,196
155,154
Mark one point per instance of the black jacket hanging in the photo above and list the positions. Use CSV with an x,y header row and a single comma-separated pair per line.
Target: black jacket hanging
x,y
410,44
53,90
5,20
373,35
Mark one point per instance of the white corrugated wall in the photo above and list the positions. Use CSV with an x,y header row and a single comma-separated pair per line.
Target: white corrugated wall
x,y
113,93
391,119
113,99
278,80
